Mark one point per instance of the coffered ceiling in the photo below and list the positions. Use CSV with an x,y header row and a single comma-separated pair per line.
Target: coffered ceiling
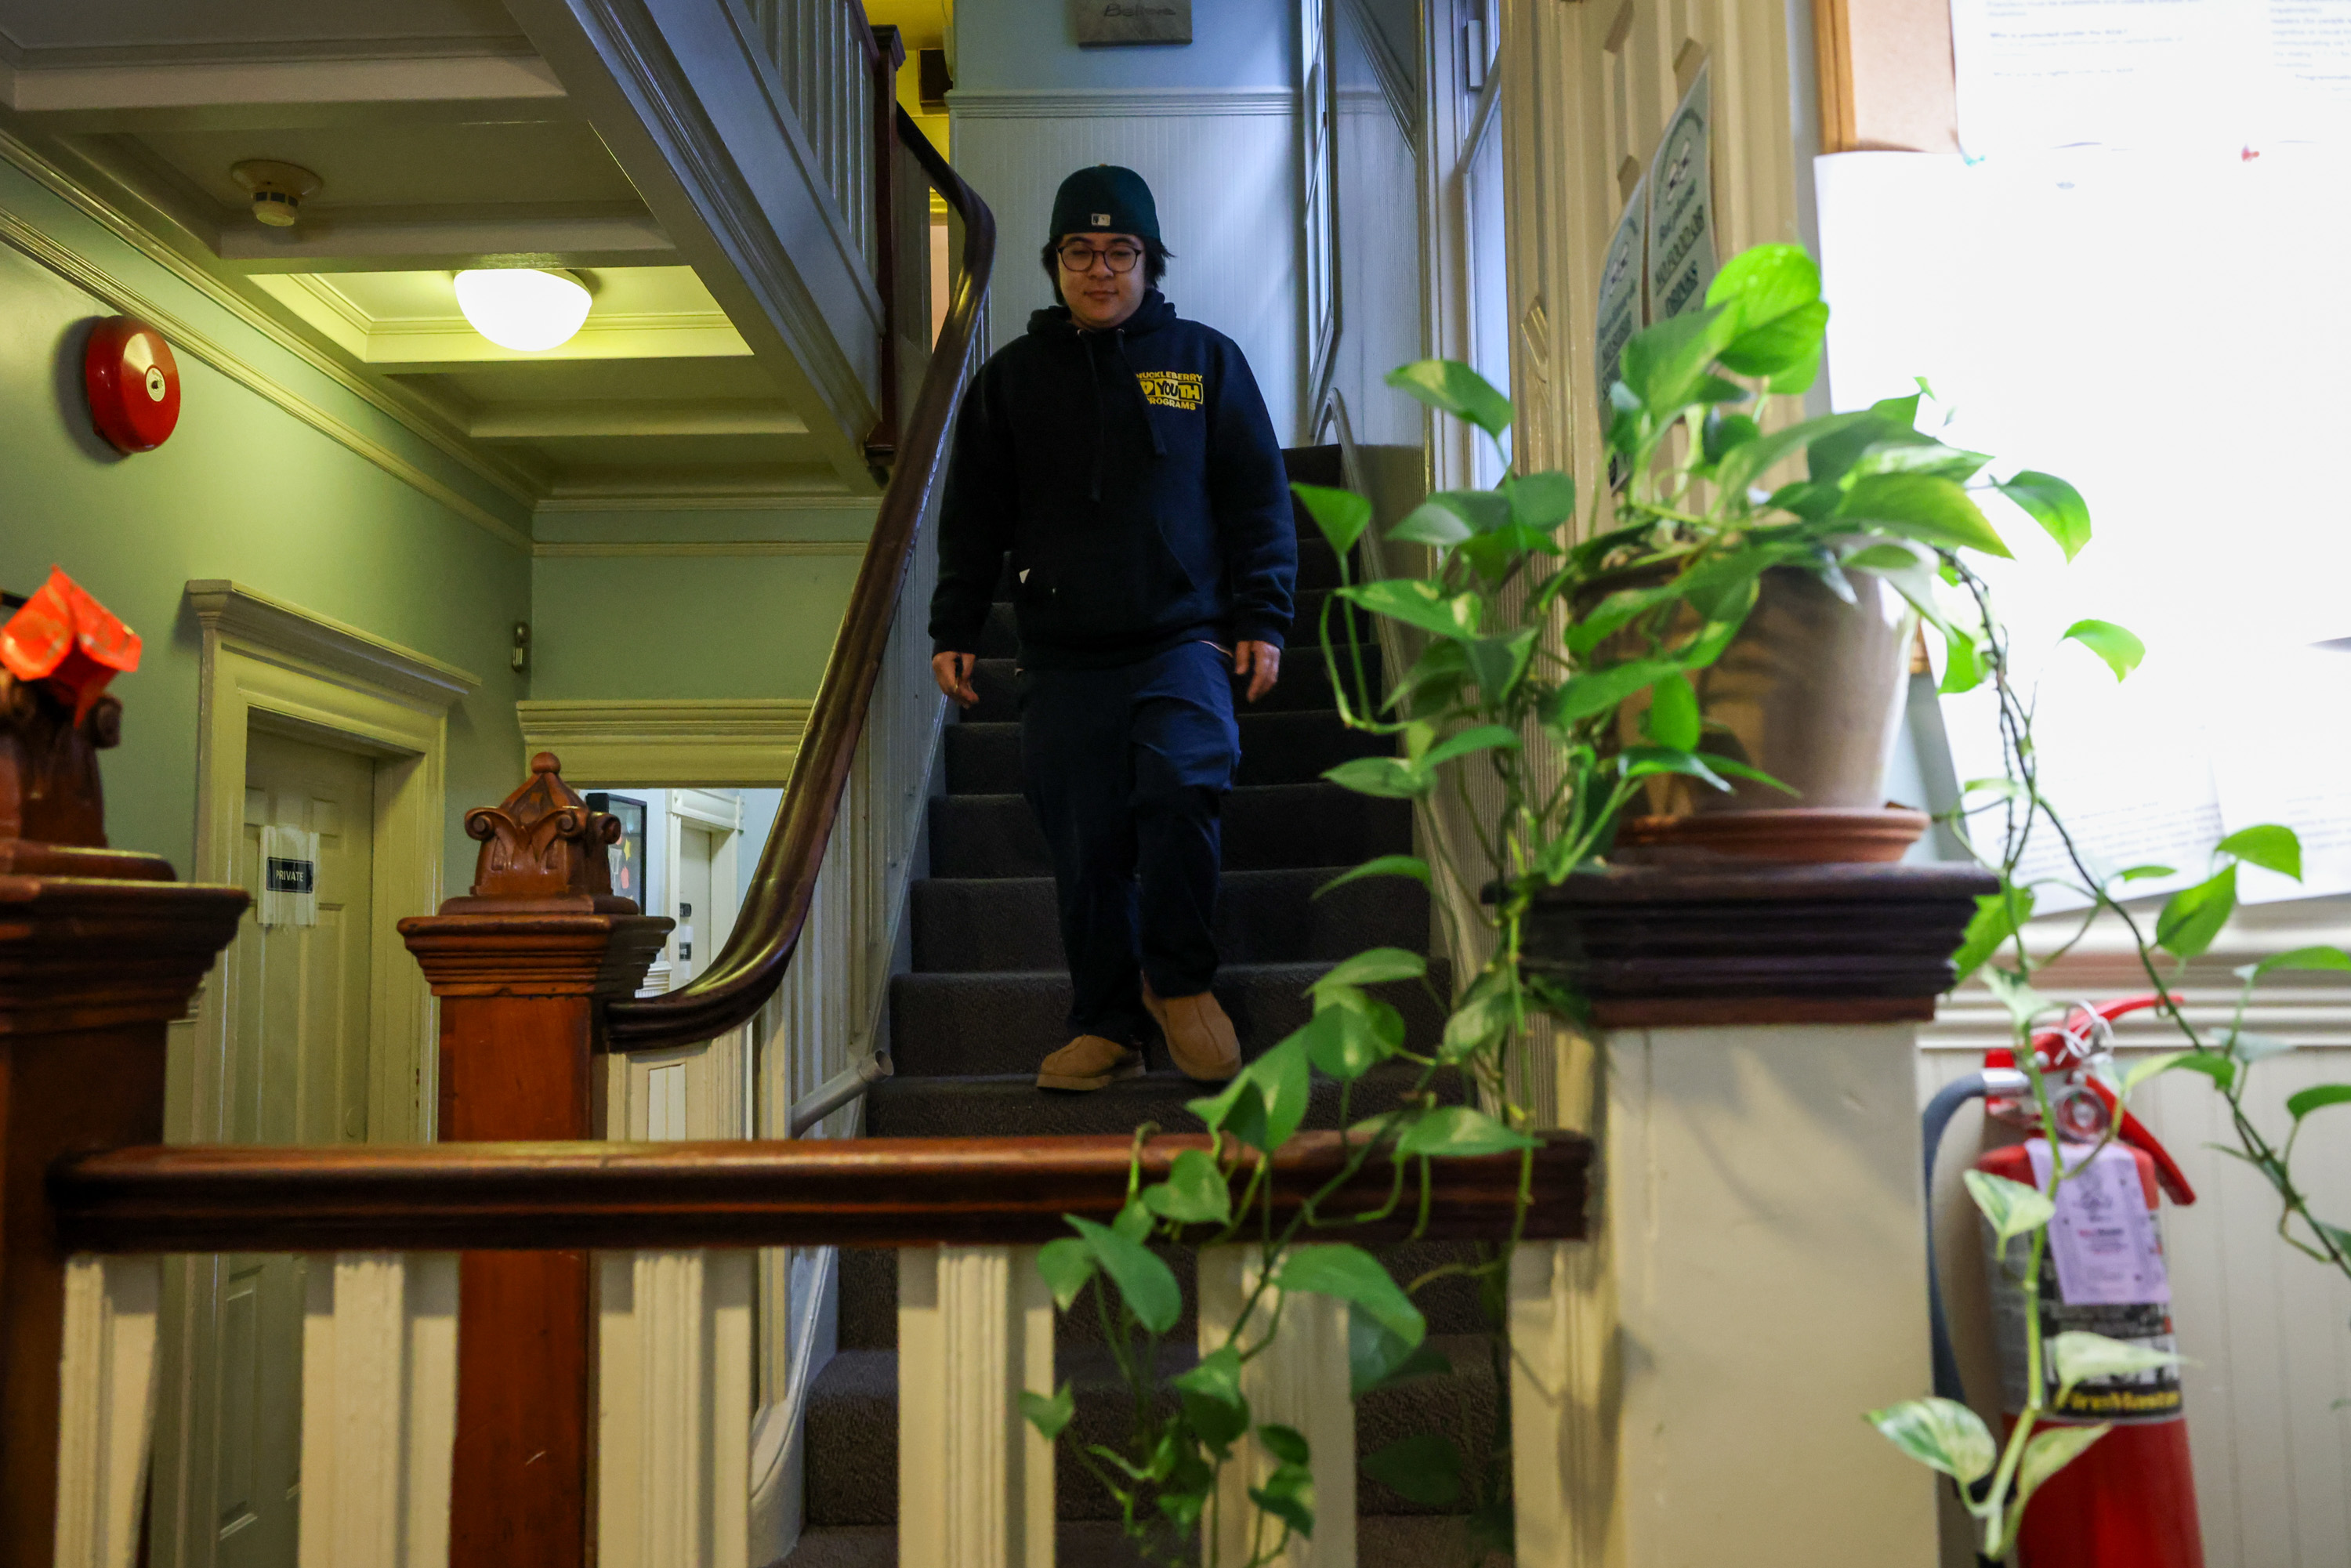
x,y
442,141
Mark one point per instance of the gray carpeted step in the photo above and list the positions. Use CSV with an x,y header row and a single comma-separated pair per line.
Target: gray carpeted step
x,y
969,923
1012,1106
1266,827
1305,683
1324,465
949,1025
1276,748
1001,639
1380,1542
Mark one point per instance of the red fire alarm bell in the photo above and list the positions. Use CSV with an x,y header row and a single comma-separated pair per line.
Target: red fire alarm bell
x,y
134,383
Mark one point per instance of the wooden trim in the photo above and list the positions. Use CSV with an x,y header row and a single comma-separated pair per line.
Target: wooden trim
x,y
1833,72
230,608
106,1409
1658,945
1119,103
1885,76
713,743
869,1192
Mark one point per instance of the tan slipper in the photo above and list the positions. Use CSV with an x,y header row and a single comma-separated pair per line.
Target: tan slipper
x,y
1088,1061
1199,1036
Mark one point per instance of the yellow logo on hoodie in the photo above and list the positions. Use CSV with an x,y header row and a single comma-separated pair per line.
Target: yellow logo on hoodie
x,y
1172,389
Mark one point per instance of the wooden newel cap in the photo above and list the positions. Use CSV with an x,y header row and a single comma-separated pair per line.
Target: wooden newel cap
x,y
1749,943
52,810
543,848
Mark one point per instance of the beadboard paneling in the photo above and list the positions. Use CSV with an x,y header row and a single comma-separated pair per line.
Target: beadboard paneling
x,y
1222,170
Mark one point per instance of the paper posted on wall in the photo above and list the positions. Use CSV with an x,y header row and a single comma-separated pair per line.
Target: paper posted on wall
x,y
290,876
2039,74
1681,207
1621,295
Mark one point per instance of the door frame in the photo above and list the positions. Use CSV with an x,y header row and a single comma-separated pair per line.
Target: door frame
x,y
273,664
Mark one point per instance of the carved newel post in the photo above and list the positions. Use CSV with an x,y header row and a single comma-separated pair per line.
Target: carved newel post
x,y
99,951
522,966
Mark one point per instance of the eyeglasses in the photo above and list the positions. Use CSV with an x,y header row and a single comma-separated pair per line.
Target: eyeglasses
x,y
1077,257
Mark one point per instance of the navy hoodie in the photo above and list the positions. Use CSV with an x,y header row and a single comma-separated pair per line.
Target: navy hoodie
x,y
1136,481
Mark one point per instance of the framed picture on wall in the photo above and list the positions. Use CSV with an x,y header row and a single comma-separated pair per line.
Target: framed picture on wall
x,y
627,857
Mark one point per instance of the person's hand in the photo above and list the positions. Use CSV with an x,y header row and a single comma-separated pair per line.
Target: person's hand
x,y
953,672
1261,663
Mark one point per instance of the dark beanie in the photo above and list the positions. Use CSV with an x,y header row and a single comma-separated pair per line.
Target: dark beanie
x,y
1104,199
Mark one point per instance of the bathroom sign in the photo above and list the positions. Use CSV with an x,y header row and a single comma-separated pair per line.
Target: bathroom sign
x,y
1132,21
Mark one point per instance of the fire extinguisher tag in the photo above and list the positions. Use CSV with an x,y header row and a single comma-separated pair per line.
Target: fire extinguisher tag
x,y
2102,1236
2102,1272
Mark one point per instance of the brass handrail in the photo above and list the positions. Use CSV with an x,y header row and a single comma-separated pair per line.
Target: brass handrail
x,y
751,965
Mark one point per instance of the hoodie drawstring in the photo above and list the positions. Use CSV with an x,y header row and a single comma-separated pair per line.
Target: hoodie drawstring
x,y
1158,447
1101,424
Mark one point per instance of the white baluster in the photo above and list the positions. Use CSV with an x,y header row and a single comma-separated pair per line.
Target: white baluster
x,y
674,1386
378,1409
105,1408
974,1480
1300,1382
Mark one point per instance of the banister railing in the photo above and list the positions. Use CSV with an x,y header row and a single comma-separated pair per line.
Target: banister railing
x,y
748,970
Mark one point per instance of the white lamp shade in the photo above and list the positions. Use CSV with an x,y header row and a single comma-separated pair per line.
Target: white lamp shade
x,y
522,307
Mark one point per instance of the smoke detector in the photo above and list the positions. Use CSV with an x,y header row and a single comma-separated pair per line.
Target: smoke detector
x,y
279,189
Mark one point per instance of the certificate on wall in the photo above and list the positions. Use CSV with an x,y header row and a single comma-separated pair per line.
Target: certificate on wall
x,y
1619,314
1681,207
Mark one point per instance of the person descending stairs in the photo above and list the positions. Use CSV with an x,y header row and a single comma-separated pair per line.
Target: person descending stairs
x,y
986,998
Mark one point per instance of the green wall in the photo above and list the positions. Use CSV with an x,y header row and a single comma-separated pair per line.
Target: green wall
x,y
243,490
691,625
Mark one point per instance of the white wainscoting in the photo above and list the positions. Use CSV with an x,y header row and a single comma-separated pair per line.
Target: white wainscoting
x,y
1223,171
2265,1326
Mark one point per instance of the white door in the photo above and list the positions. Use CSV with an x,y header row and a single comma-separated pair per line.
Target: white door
x,y
297,1073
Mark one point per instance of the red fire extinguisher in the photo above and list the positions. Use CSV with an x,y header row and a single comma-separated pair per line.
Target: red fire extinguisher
x,y
2129,1499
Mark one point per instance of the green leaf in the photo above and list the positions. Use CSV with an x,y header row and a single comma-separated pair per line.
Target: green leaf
x,y
1751,460
1799,377
2269,846
1722,431
1412,866
1484,738
1673,713
1049,1416
1283,1078
1390,778
1997,918
1909,454
2140,873
2248,1047
1194,1193
1732,767
1379,1359
2023,1003
1430,524
2219,1069
2117,645
2320,957
1480,1016
2317,1099
1790,344
1963,663
1148,1285
1584,697
2194,915
1451,387
1941,1434
1346,1271
1424,1468
2049,1450
1133,1220
2013,1208
1341,515
2140,1071
1417,601
2081,1355
1345,1041
1065,1266
1212,1399
2056,506
1451,1131
1497,663
1663,364
1646,761
1287,1495
1920,506
1765,282
1541,500
1369,967
1285,1443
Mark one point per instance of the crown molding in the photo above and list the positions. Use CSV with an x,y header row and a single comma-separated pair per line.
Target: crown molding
x,y
1118,103
233,612
87,275
714,742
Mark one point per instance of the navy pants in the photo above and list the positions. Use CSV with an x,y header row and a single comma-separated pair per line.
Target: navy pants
x,y
1127,771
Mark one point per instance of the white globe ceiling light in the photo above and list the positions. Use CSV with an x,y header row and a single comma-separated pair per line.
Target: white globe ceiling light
x,y
526,308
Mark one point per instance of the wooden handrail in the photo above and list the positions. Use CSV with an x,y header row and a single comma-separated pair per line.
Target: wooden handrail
x,y
751,965
871,1192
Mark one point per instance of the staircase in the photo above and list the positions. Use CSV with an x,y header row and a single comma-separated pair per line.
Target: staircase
x,y
986,1000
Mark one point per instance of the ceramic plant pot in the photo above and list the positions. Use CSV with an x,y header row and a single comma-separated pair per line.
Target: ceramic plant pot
x,y
1811,693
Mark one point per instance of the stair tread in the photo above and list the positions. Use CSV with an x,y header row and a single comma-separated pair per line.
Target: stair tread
x,y
1009,1104
1265,826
